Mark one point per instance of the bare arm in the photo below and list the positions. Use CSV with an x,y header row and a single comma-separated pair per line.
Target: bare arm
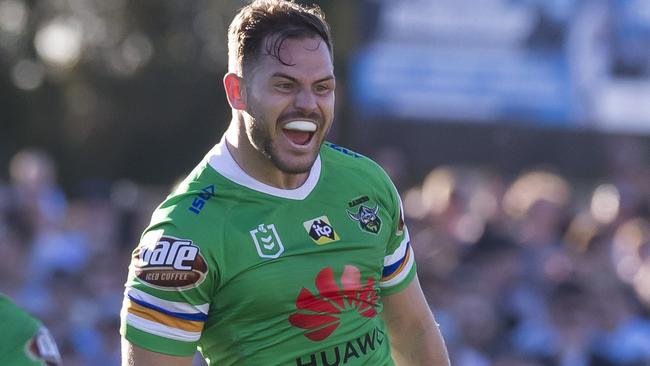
x,y
133,355
414,334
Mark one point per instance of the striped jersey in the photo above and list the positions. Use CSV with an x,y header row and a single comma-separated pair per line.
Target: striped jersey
x,y
250,274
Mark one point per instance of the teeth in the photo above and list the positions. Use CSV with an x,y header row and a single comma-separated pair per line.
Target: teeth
x,y
306,126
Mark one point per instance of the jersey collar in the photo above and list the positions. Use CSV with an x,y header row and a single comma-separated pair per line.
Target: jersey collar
x,y
222,161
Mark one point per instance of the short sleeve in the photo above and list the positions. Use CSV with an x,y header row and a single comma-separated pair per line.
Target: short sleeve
x,y
167,293
399,262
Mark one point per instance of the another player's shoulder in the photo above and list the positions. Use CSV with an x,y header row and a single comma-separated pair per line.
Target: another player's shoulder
x,y
15,313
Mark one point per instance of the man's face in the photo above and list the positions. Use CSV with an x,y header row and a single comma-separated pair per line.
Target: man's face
x,y
290,107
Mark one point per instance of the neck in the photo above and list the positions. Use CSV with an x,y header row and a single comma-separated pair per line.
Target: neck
x,y
254,163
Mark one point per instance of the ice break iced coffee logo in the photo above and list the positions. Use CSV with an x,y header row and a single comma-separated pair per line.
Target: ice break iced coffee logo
x,y
169,263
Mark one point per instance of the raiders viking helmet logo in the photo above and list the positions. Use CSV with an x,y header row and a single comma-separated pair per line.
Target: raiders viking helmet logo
x,y
367,219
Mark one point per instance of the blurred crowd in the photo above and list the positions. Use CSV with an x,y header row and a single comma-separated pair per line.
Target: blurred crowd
x,y
537,270
65,260
532,270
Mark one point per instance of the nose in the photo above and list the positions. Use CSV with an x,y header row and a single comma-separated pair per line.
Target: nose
x,y
306,101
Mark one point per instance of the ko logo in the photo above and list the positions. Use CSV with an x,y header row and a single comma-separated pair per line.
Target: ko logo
x,y
321,231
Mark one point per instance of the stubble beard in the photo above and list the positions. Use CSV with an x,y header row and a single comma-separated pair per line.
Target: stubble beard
x,y
261,140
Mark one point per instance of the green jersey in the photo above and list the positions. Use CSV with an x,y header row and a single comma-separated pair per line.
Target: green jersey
x,y
24,341
255,275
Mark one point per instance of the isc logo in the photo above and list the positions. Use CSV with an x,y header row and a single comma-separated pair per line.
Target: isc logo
x,y
175,254
199,201
344,150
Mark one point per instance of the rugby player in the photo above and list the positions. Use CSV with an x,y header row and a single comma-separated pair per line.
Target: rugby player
x,y
279,248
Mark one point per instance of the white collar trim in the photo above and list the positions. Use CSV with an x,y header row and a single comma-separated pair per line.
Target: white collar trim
x,y
222,161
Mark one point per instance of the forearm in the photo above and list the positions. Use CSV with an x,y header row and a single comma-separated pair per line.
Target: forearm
x,y
414,334
419,346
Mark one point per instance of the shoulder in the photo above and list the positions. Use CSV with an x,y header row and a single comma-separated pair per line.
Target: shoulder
x,y
348,169
343,161
8,306
193,209
333,154
176,249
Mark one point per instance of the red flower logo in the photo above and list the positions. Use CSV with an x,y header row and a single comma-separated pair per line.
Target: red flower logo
x,y
320,314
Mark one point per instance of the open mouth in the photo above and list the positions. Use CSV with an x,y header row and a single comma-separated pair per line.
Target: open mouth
x,y
299,132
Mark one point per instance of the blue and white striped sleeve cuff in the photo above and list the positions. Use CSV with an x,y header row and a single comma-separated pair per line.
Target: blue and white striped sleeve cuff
x,y
174,320
398,265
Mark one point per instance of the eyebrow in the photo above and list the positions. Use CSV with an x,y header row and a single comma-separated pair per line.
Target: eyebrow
x,y
283,75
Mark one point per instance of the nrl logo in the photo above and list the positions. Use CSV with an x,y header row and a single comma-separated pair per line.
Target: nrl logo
x,y
267,241
367,219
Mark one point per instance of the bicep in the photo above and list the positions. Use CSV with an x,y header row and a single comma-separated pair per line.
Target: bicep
x,y
133,355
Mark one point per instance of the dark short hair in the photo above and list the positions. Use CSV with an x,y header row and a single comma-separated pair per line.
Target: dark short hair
x,y
281,18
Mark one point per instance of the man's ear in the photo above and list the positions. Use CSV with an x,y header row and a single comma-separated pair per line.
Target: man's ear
x,y
235,91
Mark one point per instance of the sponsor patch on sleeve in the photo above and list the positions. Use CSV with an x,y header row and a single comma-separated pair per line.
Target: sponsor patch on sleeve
x,y
168,263
43,348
